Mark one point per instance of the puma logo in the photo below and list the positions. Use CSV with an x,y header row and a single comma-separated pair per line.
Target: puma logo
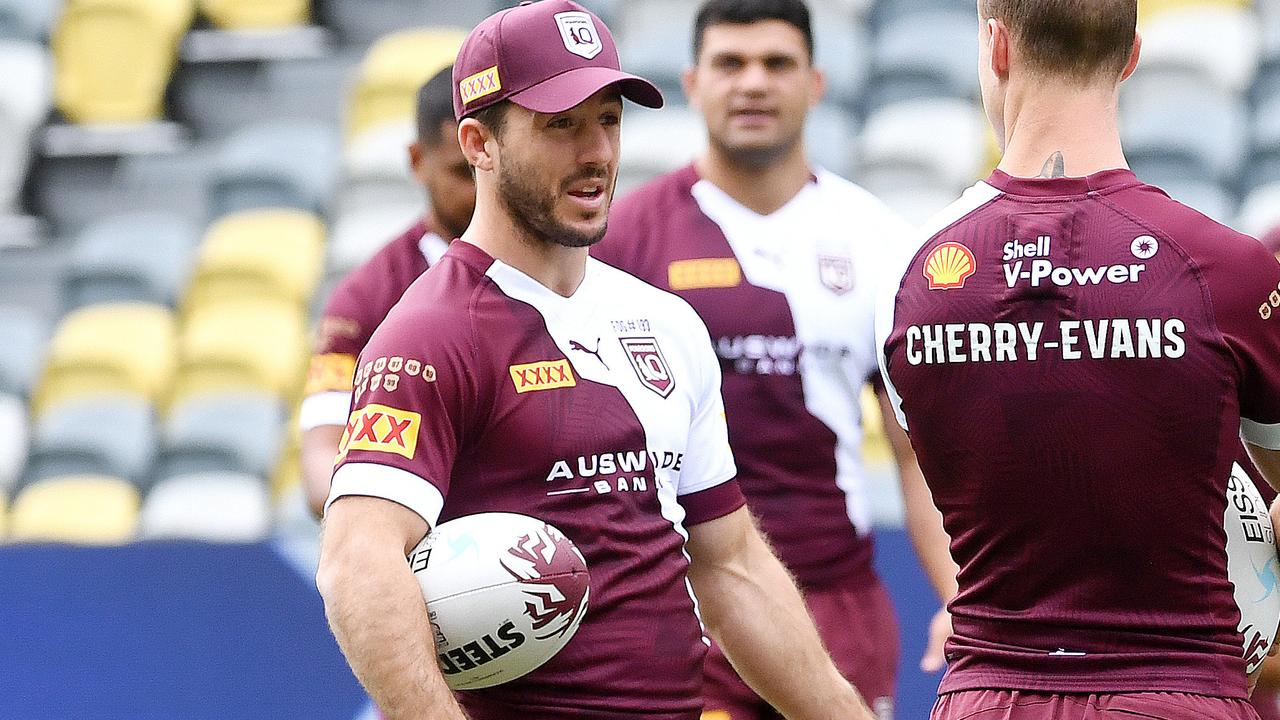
x,y
575,345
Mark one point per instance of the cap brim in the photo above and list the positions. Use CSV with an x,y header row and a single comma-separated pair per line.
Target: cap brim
x,y
571,88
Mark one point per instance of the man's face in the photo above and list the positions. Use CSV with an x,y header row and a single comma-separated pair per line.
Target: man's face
x,y
754,84
556,172
441,168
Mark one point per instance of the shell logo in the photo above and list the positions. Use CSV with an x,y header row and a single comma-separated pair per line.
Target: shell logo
x,y
948,266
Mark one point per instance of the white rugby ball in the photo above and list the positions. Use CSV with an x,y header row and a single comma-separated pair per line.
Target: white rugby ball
x,y
505,592
1252,566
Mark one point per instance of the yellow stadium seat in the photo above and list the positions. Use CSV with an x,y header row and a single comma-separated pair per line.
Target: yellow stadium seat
x,y
113,58
273,254
237,14
4,515
84,509
242,344
1148,9
114,347
393,70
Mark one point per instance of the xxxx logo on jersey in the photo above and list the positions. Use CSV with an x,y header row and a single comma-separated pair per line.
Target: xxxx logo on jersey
x,y
379,428
547,375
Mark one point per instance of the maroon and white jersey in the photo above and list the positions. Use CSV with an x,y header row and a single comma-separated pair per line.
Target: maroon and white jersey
x,y
356,306
1076,360
789,300
599,413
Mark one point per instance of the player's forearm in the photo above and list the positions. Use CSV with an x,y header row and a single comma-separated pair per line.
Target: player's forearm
x,y
377,614
924,527
319,446
753,609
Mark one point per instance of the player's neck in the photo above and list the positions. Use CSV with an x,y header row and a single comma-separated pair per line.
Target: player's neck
x,y
558,268
762,189
1080,128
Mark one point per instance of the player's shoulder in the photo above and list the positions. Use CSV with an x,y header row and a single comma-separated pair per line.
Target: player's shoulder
x,y
439,306
631,292
851,199
1199,235
389,270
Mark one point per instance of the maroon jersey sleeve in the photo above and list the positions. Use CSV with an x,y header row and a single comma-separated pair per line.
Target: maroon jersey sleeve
x,y
412,407
1245,292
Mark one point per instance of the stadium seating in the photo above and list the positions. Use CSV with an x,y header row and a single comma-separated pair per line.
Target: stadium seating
x,y
393,70
124,347
28,19
883,12
241,14
363,23
829,139
1260,211
142,257
14,430
23,348
1175,39
842,48
362,231
1185,125
376,170
242,344
941,138
234,431
82,509
113,58
655,142
916,55
102,433
216,507
272,254
25,97
654,40
275,164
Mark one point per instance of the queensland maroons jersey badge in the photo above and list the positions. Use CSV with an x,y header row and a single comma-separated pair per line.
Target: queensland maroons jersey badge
x,y
650,365
948,266
836,273
579,34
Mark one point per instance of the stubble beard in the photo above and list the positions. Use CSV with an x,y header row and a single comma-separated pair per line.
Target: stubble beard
x,y
534,210
756,157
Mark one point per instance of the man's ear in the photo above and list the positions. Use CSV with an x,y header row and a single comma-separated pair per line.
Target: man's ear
x,y
1001,44
474,139
1133,57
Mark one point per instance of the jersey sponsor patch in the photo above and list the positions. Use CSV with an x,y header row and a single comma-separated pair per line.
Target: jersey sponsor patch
x,y
650,365
380,428
948,266
486,82
704,273
836,273
331,372
546,375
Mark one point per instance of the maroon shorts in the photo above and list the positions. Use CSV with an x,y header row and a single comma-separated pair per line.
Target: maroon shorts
x,y
1029,705
860,628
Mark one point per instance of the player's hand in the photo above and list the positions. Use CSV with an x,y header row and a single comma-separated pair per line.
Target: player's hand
x,y
935,657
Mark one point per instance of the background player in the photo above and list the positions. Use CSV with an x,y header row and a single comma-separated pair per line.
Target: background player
x,y
776,256
362,299
1077,357
469,397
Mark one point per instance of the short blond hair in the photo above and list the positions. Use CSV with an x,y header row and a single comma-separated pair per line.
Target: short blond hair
x,y
1079,40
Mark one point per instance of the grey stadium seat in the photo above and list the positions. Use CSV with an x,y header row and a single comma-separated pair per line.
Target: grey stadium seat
x,y
16,434
143,256
22,351
842,49
831,135
291,164
923,54
101,434
1204,126
654,40
217,507
365,21
240,432
885,11
25,98
28,19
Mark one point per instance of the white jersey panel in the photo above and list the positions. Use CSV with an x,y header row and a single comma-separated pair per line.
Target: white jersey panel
x,y
824,250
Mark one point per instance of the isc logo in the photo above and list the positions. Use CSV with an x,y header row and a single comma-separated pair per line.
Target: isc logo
x,y
547,375
381,429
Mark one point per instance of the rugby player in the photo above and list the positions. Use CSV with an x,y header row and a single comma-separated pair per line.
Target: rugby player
x,y
470,397
1076,357
362,299
780,259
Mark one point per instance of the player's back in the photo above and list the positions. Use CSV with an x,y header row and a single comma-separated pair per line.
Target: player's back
x,y
1069,359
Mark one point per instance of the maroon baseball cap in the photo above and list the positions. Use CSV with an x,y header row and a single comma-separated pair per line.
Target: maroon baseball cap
x,y
546,56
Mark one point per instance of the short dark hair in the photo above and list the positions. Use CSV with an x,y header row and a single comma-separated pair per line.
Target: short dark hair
x,y
493,117
1074,39
745,12
435,106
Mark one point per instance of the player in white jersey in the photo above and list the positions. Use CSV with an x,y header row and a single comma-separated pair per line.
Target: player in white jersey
x,y
781,259
517,375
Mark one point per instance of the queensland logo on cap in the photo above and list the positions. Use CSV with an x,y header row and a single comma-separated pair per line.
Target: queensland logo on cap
x,y
579,34
948,266
474,87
